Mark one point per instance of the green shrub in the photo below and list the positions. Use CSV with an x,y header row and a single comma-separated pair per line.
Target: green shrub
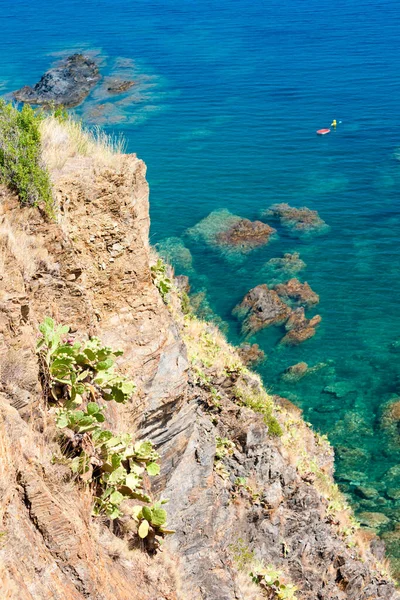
x,y
260,402
79,371
75,374
20,156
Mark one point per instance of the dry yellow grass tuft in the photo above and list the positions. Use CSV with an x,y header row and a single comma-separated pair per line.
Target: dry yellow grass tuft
x,y
24,248
68,139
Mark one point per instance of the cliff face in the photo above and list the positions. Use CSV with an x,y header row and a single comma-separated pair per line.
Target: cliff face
x,y
255,498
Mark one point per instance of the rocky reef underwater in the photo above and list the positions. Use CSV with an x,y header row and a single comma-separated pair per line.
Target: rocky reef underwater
x,y
280,312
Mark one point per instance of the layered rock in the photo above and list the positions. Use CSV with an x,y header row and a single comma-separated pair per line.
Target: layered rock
x,y
66,84
260,308
299,328
297,292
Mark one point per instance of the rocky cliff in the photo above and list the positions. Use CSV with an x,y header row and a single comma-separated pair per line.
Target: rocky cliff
x,y
250,485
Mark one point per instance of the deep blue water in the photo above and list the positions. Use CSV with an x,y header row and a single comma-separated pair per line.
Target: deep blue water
x,y
228,99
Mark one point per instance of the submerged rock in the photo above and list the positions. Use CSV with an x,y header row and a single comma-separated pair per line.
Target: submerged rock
x,y
232,235
390,420
340,388
251,354
260,308
118,86
299,328
301,221
281,268
66,84
174,251
299,293
295,372
373,519
246,235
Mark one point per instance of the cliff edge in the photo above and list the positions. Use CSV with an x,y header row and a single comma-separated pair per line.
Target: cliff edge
x,y
249,484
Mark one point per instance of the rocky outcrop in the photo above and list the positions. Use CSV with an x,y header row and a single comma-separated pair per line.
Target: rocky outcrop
x,y
66,84
299,328
246,234
299,221
295,372
91,270
251,354
298,293
233,236
260,308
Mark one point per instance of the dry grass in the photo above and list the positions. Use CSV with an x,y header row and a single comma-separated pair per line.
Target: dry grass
x,y
23,248
64,140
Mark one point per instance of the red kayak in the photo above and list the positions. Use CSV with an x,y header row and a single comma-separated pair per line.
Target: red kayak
x,y
323,131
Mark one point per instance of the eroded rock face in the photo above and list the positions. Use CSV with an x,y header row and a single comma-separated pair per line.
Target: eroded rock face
x,y
299,328
300,221
66,84
93,273
246,234
297,292
261,308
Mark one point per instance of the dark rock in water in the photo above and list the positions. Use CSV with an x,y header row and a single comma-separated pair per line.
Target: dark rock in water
x,y
246,234
299,328
251,354
295,372
261,307
118,86
67,84
300,293
182,283
298,220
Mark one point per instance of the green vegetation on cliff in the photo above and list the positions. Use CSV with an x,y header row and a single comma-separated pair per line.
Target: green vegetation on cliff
x,y
21,166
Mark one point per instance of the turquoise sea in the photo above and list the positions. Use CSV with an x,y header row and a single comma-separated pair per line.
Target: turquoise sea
x,y
228,98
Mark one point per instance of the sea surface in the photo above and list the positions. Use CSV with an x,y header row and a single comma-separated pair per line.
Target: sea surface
x,y
229,96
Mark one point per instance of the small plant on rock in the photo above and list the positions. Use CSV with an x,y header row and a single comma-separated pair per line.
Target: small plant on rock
x,y
273,580
161,280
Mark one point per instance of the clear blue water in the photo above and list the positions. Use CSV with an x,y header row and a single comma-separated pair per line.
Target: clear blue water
x,y
228,100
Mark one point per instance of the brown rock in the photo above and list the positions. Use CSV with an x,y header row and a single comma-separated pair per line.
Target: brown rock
x,y
246,234
118,86
300,293
260,308
298,220
251,354
299,328
390,420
